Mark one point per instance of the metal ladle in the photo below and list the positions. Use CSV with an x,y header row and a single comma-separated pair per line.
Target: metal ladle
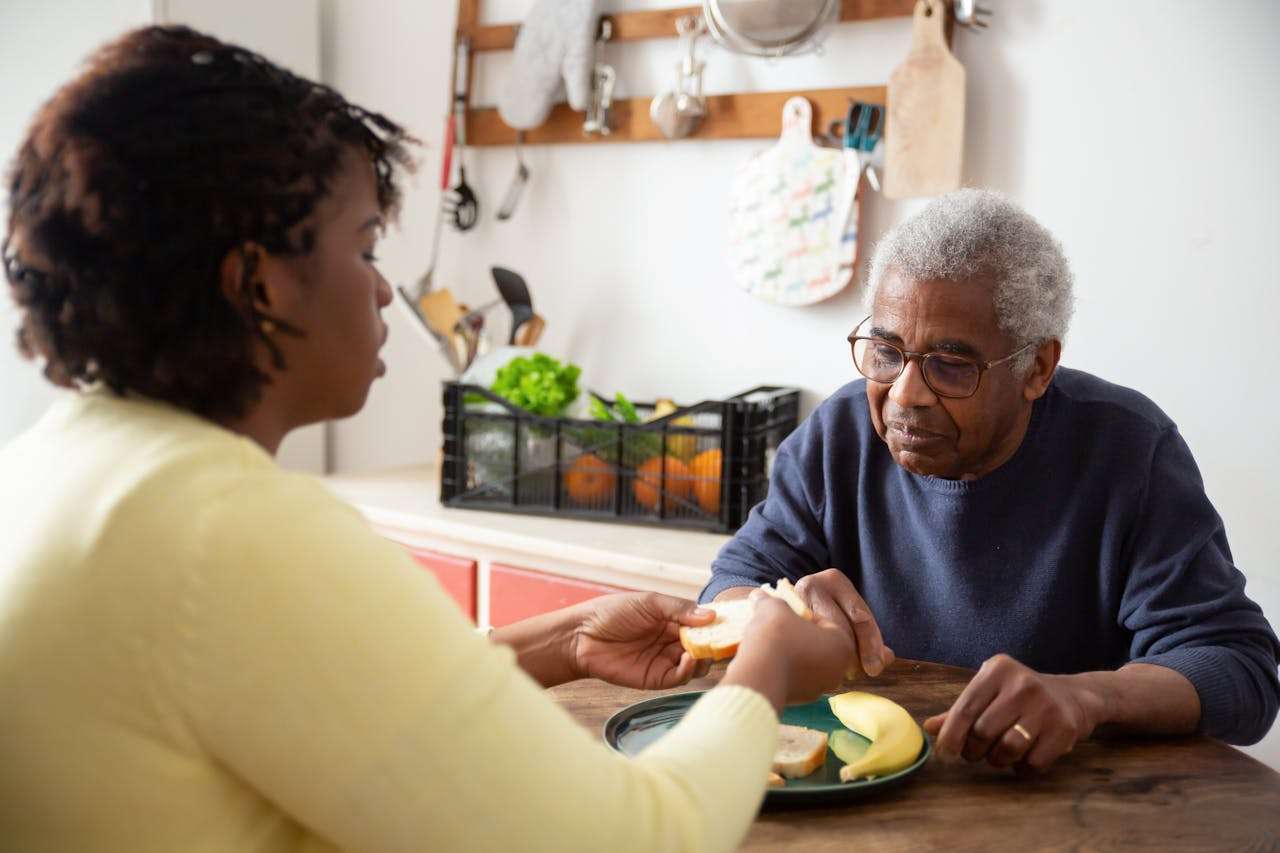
x,y
512,198
680,112
599,121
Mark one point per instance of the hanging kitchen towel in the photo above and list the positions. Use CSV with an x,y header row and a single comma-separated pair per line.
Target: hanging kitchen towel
x,y
556,41
788,241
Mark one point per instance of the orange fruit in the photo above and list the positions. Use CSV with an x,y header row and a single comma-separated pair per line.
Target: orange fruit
x,y
589,480
648,483
705,470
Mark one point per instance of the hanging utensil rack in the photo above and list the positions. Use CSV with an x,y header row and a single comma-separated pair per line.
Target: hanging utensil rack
x,y
740,115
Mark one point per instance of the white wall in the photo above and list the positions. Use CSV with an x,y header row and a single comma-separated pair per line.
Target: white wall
x,y
1140,132
41,46
286,32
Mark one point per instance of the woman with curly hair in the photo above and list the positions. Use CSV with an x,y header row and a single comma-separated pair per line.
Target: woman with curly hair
x,y
201,651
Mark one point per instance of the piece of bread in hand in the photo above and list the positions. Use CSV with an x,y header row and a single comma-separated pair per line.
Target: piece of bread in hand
x,y
776,781
788,593
720,639
800,751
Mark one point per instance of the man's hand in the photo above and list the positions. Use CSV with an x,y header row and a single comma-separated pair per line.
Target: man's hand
x,y
633,639
1009,714
787,659
832,598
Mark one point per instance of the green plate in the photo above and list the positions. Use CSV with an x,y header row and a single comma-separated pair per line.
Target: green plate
x,y
633,728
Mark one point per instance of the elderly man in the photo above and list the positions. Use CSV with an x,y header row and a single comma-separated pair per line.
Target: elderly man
x,y
982,506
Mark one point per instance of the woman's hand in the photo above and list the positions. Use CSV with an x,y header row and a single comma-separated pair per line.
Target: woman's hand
x,y
788,659
633,639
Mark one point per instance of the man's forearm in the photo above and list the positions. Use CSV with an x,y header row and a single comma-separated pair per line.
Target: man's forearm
x,y
733,592
542,645
1144,698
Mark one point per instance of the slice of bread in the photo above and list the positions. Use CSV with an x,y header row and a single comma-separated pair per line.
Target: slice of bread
x,y
788,593
720,639
800,751
776,781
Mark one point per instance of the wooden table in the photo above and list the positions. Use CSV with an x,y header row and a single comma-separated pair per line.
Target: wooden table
x,y
1187,793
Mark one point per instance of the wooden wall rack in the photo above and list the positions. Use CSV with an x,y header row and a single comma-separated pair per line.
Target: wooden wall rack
x,y
744,115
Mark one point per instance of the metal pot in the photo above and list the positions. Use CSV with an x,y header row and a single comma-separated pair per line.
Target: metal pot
x,y
770,28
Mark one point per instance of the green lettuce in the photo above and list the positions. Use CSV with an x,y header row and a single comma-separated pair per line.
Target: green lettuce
x,y
538,383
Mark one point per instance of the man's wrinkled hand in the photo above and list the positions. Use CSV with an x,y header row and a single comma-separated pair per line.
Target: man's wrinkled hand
x,y
831,596
1012,716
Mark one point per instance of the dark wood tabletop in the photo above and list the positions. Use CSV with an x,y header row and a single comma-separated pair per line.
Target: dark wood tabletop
x,y
1170,794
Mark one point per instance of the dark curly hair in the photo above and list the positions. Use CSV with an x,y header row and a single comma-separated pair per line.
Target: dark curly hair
x,y
136,179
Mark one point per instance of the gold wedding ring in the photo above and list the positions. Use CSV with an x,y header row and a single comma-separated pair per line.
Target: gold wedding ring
x,y
1020,729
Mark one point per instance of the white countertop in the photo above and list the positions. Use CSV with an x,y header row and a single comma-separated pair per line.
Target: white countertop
x,y
404,504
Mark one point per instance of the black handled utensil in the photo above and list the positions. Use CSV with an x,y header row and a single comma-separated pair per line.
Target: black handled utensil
x,y
462,204
515,293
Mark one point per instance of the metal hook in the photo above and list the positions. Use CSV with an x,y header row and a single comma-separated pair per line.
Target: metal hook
x,y
969,15
695,24
690,28
603,78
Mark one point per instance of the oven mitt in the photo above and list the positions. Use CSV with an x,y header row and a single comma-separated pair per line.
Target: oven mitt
x,y
556,41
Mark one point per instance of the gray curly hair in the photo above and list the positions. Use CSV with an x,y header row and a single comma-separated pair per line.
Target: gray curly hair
x,y
974,233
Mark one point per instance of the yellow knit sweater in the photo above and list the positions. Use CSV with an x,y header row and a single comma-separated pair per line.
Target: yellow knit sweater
x,y
199,651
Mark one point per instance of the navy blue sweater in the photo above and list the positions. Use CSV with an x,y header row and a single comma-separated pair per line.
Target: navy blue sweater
x,y
1093,546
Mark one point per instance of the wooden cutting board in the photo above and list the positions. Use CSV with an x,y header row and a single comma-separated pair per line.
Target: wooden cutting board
x,y
925,131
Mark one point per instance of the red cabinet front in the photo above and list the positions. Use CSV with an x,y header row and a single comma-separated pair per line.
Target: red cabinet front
x,y
516,594
456,575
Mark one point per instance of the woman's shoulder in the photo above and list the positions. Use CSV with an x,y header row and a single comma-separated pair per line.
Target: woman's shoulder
x,y
158,467
166,452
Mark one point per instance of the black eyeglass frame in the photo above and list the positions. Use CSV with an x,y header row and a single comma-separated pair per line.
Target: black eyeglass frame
x,y
908,355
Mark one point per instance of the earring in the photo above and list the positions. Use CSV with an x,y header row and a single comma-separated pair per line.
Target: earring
x,y
267,327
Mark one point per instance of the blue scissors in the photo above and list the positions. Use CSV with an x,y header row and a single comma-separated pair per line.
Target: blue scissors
x,y
863,126
860,132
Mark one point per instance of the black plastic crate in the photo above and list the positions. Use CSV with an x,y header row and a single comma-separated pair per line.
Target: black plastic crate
x,y
701,467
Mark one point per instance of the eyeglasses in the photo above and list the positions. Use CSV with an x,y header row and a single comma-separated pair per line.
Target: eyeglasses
x,y
946,374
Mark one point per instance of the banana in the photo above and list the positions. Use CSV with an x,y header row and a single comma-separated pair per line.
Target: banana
x,y
895,737
662,408
680,445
